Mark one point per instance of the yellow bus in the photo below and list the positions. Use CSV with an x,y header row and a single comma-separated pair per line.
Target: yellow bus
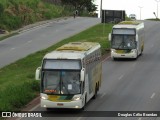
x,y
70,76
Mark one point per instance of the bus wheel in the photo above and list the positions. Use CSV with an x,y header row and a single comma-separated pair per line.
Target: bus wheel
x,y
98,87
136,56
95,94
141,51
84,102
114,59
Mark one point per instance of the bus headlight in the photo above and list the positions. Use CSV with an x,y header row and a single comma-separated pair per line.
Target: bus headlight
x,y
76,98
44,97
133,51
112,50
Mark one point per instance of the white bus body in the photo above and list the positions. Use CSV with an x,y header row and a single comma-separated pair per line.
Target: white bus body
x,y
127,39
70,76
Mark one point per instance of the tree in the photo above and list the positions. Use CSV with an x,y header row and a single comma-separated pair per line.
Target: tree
x,y
80,4
91,7
1,9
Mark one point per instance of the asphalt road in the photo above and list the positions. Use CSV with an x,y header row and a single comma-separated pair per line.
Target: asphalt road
x,y
41,37
128,85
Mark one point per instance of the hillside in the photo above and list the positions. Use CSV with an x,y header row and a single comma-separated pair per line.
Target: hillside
x,y
17,13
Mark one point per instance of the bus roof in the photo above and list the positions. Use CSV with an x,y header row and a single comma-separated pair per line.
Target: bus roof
x,y
129,24
73,50
77,46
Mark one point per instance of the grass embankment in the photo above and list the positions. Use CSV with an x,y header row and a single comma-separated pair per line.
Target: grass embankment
x,y
17,13
153,19
17,83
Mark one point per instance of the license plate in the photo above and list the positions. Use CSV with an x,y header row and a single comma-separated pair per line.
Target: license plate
x,y
59,104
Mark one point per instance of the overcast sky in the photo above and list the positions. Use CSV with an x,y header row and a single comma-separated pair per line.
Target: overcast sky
x,y
132,7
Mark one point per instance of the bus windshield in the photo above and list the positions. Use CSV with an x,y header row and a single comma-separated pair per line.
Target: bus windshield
x,y
123,42
61,82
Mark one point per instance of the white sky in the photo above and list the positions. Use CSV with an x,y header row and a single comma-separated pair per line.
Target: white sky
x,y
132,7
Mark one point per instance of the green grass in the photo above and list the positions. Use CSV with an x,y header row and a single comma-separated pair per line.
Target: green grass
x,y
154,19
15,14
17,82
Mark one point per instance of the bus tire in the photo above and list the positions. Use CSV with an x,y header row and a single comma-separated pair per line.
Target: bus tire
x,y
83,108
95,94
114,59
141,51
98,87
136,56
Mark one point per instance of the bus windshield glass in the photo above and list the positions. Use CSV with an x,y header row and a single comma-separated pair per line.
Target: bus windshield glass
x,y
61,64
61,77
123,42
61,82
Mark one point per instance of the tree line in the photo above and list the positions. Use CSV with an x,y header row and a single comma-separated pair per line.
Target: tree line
x,y
79,5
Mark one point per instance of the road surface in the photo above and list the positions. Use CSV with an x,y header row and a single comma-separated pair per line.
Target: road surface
x,y
41,37
128,85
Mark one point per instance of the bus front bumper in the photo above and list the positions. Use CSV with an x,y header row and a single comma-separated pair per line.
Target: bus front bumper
x,y
132,54
71,104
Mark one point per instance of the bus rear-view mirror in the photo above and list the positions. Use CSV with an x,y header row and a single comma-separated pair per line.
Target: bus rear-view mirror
x,y
82,74
109,37
38,73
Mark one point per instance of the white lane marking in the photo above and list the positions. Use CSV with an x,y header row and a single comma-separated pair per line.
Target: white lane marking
x,y
102,95
13,48
30,41
139,118
153,95
120,77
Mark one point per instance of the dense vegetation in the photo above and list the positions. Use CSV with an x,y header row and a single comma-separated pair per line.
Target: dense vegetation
x,y
80,5
17,82
17,13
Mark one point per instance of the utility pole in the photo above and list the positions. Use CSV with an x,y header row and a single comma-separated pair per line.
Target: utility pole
x,y
157,6
101,10
140,11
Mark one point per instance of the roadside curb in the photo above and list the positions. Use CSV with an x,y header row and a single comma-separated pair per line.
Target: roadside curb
x,y
31,104
27,108
32,26
41,23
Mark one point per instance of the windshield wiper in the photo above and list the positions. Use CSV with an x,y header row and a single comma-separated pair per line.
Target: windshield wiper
x,y
63,85
120,45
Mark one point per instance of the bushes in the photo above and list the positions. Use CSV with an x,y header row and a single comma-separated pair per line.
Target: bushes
x,y
10,22
17,83
15,95
17,13
1,9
